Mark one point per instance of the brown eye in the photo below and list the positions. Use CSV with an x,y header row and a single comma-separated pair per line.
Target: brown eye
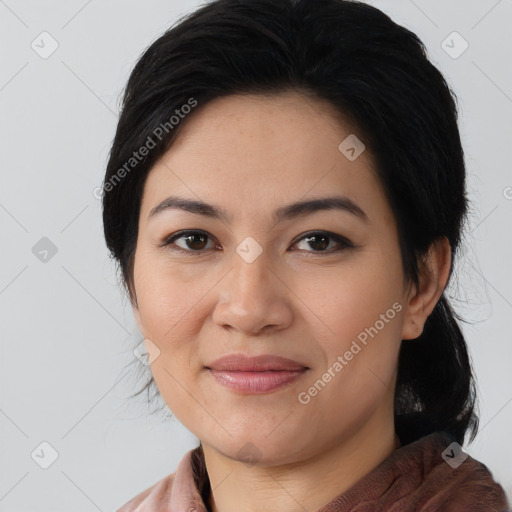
x,y
321,241
191,241
195,242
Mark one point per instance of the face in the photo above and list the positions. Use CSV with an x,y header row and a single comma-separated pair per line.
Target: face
x,y
321,286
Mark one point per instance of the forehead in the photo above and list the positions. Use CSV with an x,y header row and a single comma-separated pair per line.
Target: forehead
x,y
253,153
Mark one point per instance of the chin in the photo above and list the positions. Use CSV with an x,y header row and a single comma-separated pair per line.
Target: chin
x,y
259,450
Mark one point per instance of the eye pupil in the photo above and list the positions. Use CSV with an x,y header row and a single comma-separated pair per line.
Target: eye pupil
x,y
194,237
323,244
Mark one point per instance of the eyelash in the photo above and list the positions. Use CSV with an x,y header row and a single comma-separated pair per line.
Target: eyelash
x,y
345,243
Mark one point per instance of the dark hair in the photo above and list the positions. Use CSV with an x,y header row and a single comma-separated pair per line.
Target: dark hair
x,y
376,74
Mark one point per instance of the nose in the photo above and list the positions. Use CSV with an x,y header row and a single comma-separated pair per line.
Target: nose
x,y
253,298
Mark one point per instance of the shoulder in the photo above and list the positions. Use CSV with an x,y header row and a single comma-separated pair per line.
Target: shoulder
x,y
159,493
464,486
178,490
474,489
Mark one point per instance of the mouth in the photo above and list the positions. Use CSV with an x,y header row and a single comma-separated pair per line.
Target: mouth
x,y
261,374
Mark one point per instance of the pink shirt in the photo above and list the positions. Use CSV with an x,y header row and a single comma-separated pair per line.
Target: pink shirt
x,y
414,478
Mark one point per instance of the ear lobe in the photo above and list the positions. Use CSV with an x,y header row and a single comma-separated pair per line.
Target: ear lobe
x,y
434,273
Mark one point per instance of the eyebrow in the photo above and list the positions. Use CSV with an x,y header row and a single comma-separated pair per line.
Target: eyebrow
x,y
287,212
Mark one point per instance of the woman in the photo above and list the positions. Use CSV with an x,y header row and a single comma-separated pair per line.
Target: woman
x,y
285,197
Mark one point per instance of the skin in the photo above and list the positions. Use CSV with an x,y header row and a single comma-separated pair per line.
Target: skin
x,y
293,300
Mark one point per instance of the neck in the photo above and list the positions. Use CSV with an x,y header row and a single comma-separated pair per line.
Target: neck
x,y
304,485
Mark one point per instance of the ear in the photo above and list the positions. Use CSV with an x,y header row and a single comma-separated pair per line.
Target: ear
x,y
434,273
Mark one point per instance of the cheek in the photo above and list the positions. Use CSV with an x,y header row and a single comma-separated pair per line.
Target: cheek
x,y
350,300
169,297
361,312
360,348
171,310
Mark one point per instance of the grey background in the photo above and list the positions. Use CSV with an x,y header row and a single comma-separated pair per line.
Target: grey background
x,y
66,331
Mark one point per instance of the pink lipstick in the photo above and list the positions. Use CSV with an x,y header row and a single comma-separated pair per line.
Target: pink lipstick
x,y
259,374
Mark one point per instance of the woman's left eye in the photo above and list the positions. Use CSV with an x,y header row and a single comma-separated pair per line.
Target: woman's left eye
x,y
321,240
197,241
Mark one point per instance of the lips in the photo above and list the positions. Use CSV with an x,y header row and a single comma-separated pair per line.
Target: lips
x,y
253,375
263,363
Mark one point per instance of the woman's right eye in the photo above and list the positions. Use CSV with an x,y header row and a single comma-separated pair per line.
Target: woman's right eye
x,y
192,241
